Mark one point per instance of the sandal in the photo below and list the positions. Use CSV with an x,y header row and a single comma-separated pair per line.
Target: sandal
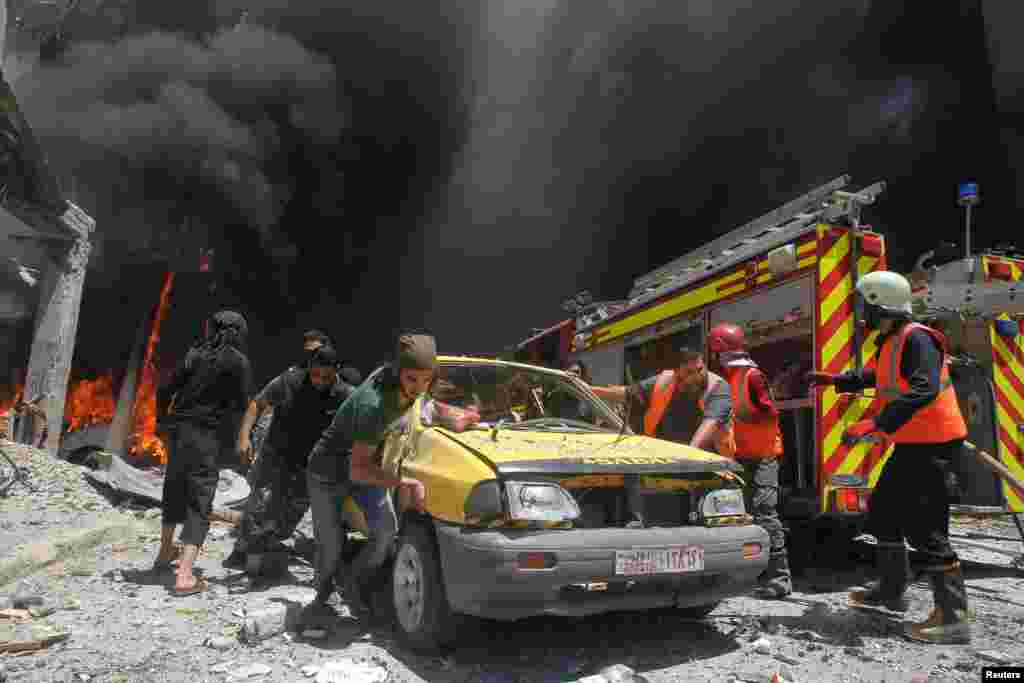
x,y
199,586
161,565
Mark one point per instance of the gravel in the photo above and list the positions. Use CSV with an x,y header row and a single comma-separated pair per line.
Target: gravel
x,y
125,626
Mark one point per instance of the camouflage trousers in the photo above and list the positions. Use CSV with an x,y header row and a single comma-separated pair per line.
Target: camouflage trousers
x,y
278,500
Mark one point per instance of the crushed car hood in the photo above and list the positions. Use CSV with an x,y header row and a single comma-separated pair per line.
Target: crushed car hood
x,y
515,451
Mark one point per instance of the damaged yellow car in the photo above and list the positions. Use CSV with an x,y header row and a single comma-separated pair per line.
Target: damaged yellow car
x,y
549,505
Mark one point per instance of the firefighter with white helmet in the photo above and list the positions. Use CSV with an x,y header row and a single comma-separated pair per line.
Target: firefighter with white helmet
x,y
921,417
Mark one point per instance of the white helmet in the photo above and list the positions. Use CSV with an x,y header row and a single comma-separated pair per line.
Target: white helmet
x,y
887,290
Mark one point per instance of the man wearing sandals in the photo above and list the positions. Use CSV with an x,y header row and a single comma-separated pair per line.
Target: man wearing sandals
x,y
210,387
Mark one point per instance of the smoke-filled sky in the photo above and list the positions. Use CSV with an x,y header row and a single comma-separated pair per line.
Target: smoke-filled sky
x,y
464,166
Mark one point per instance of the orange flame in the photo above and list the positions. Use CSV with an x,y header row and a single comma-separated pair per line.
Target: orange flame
x,y
145,439
7,403
89,402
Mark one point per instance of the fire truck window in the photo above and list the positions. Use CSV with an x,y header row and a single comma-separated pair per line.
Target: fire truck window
x,y
653,356
786,364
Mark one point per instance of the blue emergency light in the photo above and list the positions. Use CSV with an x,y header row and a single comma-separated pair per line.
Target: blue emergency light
x,y
967,194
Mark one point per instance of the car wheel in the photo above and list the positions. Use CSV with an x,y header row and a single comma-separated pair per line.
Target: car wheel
x,y
421,606
697,611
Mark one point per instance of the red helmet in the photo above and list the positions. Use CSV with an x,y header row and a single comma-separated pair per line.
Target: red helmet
x,y
726,337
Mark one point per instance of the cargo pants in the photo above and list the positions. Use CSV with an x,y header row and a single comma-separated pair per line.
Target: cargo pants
x,y
762,500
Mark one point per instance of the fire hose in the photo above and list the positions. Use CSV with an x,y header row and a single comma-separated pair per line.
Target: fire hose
x,y
997,468
983,457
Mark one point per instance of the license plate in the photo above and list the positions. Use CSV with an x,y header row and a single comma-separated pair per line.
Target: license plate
x,y
675,560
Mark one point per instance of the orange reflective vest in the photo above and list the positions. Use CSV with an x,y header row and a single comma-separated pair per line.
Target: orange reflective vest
x,y
939,421
661,396
757,432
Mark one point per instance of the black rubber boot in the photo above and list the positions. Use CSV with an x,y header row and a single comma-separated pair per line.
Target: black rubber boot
x,y
776,581
236,560
892,563
949,623
324,591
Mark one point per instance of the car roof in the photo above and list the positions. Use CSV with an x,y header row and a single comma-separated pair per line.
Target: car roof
x,y
470,360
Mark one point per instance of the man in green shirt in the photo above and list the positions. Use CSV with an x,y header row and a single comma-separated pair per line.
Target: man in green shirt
x,y
345,462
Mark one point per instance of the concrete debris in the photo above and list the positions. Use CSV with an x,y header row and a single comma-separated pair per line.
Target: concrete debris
x,y
762,646
43,610
994,657
616,673
220,643
352,670
310,670
249,672
26,601
262,624
124,479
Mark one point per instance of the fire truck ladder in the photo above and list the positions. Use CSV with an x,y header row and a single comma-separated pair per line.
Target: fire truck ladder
x,y
825,204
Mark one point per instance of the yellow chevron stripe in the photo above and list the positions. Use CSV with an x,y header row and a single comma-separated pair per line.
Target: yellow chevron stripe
x,y
877,469
1012,364
1014,502
1007,423
865,264
828,399
854,457
853,412
835,343
1015,399
870,346
832,260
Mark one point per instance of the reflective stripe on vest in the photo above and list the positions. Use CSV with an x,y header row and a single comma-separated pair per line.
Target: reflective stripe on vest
x,y
757,432
939,421
661,397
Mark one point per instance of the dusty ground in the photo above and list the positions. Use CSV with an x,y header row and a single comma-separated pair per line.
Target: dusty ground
x,y
90,562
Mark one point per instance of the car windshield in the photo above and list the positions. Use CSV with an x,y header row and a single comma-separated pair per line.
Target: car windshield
x,y
521,398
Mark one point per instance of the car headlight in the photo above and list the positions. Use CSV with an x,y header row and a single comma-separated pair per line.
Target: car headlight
x,y
722,502
540,502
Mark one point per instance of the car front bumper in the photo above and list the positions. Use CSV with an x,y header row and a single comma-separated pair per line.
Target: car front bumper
x,y
483,578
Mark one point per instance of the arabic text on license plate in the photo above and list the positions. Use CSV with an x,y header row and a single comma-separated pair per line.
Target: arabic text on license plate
x,y
675,560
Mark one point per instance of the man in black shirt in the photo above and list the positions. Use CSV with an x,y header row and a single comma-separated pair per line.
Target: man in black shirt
x,y
304,401
209,388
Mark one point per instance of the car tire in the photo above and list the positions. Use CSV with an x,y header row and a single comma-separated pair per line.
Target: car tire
x,y
697,611
418,595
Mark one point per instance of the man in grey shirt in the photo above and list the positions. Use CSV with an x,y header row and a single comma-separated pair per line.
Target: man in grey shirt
x,y
688,405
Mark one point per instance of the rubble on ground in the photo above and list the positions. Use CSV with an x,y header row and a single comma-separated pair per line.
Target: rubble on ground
x,y
81,602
